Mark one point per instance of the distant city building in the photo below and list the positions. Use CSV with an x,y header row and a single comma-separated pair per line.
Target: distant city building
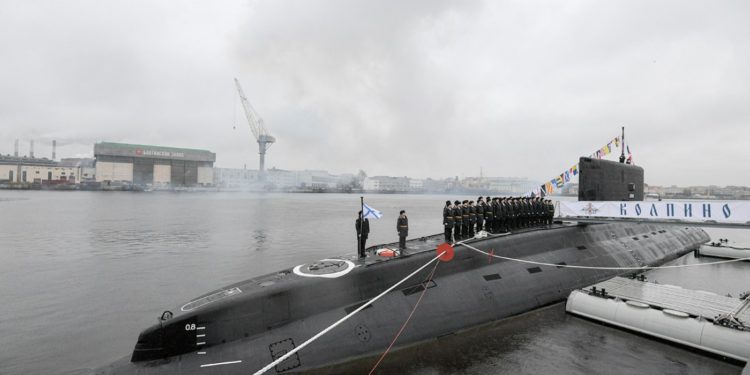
x,y
510,185
279,179
146,165
469,185
700,192
386,184
317,179
234,178
438,186
416,185
570,189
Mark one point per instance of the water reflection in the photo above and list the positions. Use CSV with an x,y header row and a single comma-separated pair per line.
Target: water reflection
x,y
259,236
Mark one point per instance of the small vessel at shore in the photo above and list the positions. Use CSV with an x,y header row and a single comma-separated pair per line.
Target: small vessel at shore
x,y
245,326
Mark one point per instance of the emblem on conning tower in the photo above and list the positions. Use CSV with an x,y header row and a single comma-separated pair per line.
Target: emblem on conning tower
x,y
589,209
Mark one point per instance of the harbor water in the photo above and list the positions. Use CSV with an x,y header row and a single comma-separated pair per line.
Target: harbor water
x,y
82,273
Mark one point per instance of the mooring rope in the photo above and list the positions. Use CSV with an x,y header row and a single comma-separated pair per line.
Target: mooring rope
x,y
403,326
596,267
731,247
462,243
334,325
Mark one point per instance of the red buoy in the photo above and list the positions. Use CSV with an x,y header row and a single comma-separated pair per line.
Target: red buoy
x,y
448,249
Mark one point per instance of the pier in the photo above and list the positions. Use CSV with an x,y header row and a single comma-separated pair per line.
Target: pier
x,y
702,320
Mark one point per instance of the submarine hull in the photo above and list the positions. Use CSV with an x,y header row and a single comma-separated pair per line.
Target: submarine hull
x,y
244,326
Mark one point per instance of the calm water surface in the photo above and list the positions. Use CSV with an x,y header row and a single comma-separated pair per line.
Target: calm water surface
x,y
82,273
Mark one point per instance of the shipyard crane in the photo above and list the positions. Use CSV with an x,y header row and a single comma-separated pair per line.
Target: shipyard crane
x,y
256,125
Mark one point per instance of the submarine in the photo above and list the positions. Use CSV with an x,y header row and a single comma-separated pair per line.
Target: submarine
x,y
244,327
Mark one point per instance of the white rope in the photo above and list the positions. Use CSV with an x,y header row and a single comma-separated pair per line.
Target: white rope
x,y
600,268
334,325
462,243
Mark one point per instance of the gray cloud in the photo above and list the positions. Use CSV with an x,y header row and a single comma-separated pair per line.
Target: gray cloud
x,y
419,88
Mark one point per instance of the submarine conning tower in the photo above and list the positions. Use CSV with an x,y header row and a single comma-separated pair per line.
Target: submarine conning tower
x,y
604,180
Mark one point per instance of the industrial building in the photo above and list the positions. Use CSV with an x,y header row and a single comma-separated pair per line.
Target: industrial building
x,y
20,170
145,165
84,166
24,170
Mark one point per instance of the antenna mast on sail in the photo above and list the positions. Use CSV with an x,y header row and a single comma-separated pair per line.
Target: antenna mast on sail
x,y
622,146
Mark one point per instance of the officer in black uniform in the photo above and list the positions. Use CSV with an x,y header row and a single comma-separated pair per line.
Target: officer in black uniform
x,y
503,218
516,212
480,214
488,216
402,227
362,232
497,212
448,221
465,217
496,215
457,221
490,226
527,210
550,212
542,211
472,218
506,214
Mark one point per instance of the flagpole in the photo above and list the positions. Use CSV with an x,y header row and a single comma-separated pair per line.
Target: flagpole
x,y
622,146
361,225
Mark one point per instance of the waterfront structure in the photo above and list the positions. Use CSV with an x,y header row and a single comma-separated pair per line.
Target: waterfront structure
x,y
27,170
700,192
145,165
416,185
274,178
510,185
85,167
387,184
236,178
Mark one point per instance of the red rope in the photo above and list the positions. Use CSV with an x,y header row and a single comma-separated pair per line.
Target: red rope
x,y
407,320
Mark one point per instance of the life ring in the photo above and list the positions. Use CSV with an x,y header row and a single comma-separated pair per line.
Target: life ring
x,y
386,252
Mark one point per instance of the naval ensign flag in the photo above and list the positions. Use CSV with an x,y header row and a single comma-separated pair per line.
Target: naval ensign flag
x,y
369,212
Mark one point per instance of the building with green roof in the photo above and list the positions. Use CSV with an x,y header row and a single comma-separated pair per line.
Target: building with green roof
x,y
147,165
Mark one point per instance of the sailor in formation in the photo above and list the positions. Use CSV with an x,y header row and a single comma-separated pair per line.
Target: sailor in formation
x,y
466,220
550,215
462,220
448,220
472,218
480,214
457,221
488,215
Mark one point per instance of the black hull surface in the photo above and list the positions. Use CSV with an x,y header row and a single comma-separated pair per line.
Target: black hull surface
x,y
241,328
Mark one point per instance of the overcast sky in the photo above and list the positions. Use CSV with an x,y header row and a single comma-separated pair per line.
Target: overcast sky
x,y
416,88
